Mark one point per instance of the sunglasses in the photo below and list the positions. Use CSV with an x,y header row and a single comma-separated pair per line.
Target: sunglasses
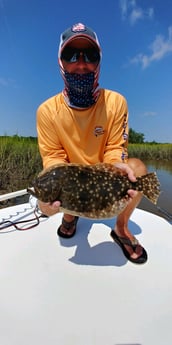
x,y
72,55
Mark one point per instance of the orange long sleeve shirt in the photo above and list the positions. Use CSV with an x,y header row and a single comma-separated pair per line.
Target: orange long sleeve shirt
x,y
89,136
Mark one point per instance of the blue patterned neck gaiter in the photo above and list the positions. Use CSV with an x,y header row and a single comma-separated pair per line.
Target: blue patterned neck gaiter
x,y
80,91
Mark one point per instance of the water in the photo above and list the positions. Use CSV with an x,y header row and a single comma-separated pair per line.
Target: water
x,y
164,205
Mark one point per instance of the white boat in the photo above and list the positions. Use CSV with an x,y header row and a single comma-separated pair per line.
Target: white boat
x,y
82,291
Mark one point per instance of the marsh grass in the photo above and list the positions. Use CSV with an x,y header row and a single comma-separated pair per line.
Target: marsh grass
x,y
20,160
151,151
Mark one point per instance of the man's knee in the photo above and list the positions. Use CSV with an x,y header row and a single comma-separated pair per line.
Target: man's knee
x,y
137,166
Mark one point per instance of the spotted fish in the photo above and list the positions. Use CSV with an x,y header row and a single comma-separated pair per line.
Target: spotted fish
x,y
93,191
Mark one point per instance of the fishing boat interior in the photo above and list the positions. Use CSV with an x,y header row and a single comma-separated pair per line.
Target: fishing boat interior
x,y
82,291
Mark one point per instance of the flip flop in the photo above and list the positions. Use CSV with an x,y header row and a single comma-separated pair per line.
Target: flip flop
x,y
122,241
67,226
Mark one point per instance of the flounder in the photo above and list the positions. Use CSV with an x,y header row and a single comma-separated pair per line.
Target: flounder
x,y
96,191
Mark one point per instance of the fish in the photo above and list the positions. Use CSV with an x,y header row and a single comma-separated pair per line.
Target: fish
x,y
96,191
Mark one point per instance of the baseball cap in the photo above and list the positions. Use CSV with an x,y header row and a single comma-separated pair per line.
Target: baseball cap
x,y
78,30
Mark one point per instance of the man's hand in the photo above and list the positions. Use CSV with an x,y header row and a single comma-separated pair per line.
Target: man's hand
x,y
126,169
49,209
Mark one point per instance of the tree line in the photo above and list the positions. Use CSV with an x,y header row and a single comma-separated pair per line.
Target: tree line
x,y
135,137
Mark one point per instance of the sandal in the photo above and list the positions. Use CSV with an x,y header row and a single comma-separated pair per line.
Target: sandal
x,y
121,241
68,226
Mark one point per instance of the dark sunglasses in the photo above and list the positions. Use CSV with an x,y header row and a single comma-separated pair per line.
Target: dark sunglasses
x,y
71,55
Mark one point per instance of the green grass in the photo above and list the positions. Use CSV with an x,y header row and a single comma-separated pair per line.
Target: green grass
x,y
19,162
151,151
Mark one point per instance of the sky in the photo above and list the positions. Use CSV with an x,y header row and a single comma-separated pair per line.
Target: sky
x,y
136,41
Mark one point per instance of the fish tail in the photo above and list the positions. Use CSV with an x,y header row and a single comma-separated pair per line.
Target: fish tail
x,y
150,186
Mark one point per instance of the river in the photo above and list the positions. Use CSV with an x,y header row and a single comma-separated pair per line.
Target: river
x,y
164,205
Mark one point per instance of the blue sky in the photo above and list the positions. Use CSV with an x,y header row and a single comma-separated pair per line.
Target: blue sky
x,y
136,40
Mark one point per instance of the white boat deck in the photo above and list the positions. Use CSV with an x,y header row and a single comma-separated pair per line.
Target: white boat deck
x,y
82,291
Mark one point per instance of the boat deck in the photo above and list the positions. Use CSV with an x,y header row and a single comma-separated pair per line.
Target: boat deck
x,y
82,291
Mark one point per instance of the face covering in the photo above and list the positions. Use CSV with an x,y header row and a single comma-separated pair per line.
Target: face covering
x,y
81,90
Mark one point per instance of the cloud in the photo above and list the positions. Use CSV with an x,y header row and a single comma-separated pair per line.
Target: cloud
x,y
7,82
134,13
149,114
123,7
4,82
160,48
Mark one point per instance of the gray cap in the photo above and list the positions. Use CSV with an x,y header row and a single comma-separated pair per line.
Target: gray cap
x,y
78,31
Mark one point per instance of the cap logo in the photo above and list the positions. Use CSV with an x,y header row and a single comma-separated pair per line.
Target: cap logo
x,y
78,27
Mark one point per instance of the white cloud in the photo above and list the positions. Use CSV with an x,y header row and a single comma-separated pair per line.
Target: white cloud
x,y
132,12
160,47
124,8
3,81
7,82
135,15
149,113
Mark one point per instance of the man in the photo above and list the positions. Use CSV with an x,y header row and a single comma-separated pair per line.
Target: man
x,y
86,124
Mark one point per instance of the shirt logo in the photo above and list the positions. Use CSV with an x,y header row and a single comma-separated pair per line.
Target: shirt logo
x,y
98,130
